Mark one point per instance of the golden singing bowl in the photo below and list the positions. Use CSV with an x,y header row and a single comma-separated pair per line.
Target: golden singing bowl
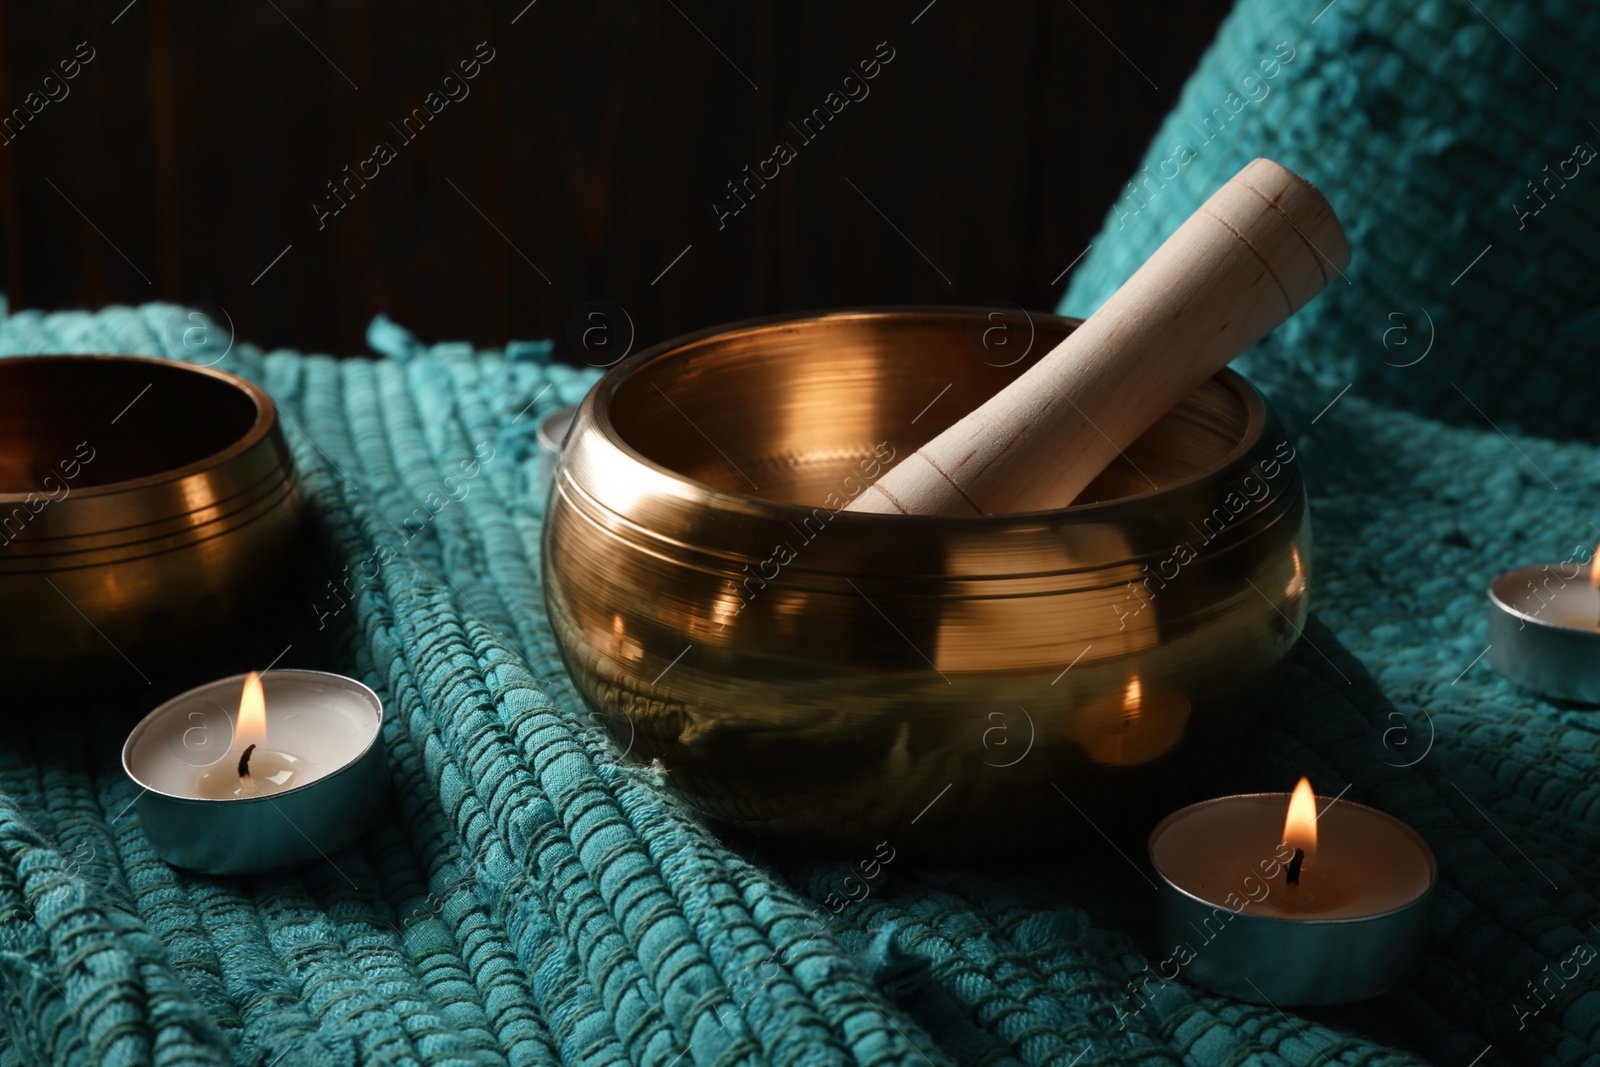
x,y
144,508
845,678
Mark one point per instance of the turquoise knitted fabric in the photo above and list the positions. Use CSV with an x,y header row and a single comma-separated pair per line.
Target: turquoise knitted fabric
x,y
528,899
1459,143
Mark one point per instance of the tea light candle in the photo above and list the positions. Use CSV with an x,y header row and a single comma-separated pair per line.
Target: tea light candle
x,y
1306,909
298,772
1544,629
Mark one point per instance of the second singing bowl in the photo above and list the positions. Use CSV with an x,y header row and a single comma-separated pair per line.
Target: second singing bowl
x,y
146,510
808,672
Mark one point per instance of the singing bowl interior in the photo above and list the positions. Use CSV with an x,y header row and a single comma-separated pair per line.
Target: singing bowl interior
x,y
804,670
146,508
796,408
165,416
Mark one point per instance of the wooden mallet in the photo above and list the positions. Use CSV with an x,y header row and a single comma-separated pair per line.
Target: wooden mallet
x,y
1252,255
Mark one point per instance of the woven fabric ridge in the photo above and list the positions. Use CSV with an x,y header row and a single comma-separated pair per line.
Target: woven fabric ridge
x,y
1444,134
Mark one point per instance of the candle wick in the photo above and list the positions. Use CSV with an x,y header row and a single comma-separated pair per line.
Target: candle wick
x,y
1293,877
244,763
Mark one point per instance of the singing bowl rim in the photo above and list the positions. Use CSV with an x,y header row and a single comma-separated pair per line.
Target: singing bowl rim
x,y
261,427
595,409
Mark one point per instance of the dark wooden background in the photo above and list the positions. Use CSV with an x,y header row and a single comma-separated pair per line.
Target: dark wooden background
x,y
189,151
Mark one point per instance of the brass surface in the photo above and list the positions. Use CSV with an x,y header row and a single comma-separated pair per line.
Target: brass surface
x,y
145,506
842,678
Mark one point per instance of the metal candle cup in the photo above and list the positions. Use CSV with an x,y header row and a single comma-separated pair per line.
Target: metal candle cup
x,y
1353,927
1544,631
323,737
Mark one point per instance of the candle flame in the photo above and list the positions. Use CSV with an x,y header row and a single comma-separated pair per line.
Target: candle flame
x,y
251,728
1300,828
1594,570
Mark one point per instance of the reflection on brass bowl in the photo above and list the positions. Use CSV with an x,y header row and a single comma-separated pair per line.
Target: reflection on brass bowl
x,y
844,678
143,505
